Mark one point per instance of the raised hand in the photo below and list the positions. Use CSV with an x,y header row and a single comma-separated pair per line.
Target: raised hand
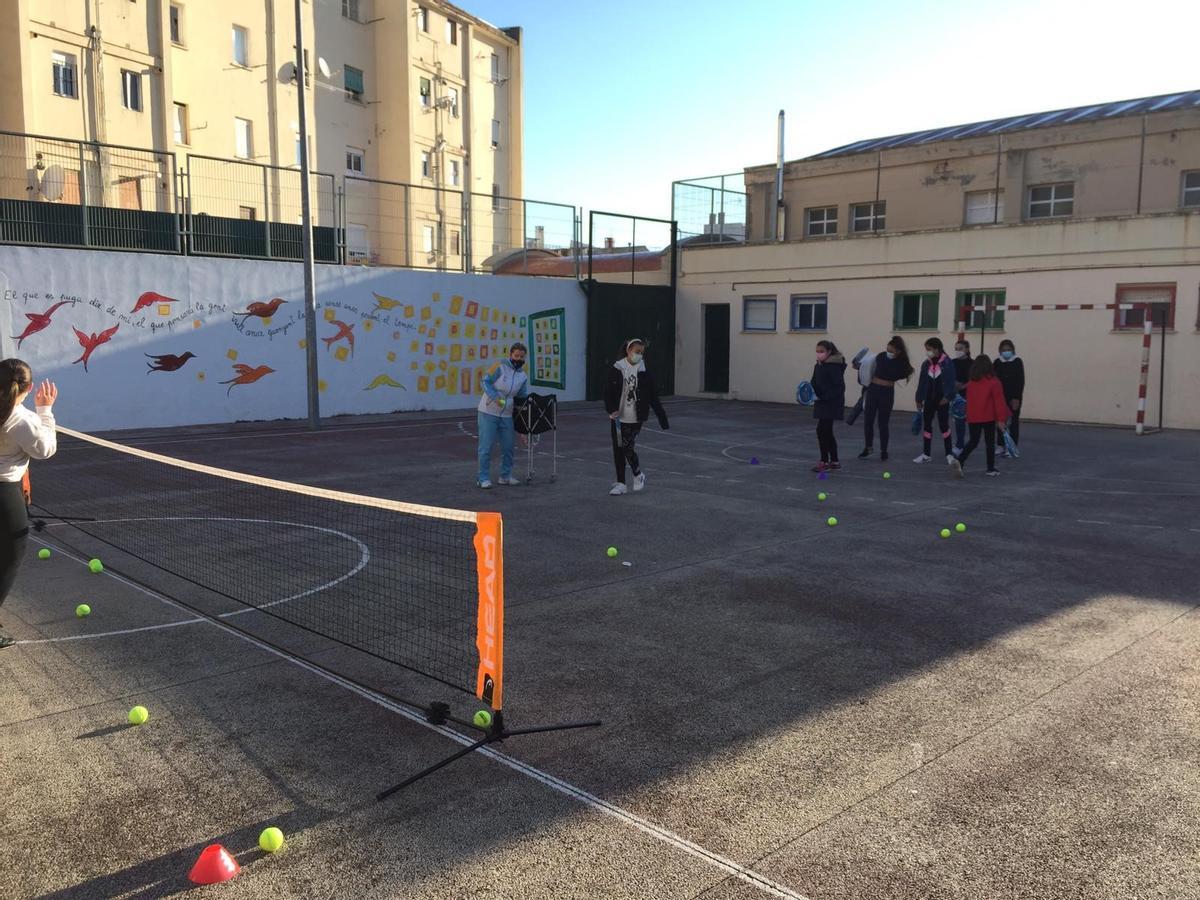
x,y
46,394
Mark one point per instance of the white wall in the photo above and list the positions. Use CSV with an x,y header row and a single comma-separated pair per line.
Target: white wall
x,y
118,390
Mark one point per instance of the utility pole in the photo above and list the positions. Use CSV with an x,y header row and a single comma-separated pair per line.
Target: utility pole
x,y
310,289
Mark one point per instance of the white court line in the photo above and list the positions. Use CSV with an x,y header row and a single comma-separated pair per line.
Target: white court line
x,y
658,832
1159,527
903,503
1097,522
364,558
992,512
1047,518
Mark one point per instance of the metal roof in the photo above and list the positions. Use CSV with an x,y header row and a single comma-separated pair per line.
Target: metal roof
x,y
1094,113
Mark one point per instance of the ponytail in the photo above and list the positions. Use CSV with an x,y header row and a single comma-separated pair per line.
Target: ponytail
x,y
15,379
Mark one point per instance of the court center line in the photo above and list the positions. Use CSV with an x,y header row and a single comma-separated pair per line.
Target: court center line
x,y
658,832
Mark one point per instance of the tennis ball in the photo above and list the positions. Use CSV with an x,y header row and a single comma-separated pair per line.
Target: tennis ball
x,y
138,715
83,610
887,474
271,839
831,521
612,552
960,527
96,566
822,495
945,532
44,553
483,719
503,403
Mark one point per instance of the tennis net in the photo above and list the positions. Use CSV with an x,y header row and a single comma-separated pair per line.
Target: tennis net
x,y
417,586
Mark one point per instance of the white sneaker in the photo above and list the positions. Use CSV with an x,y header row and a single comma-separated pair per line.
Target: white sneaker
x,y
956,468
922,458
639,482
508,479
950,459
617,490
485,484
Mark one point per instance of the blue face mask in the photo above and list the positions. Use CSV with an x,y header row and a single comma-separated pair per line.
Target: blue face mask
x,y
517,363
1007,355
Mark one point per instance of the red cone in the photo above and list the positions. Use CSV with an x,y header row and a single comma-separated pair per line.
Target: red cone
x,y
214,865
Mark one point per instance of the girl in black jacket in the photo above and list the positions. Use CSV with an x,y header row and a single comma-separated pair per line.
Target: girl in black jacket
x,y
935,390
629,395
829,387
1011,372
890,366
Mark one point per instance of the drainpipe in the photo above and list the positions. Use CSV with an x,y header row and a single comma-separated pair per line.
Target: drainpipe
x,y
780,209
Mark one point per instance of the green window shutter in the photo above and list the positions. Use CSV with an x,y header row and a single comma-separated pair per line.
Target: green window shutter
x,y
897,311
929,311
354,80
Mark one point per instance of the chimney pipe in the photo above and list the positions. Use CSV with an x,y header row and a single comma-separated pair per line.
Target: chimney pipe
x,y
780,209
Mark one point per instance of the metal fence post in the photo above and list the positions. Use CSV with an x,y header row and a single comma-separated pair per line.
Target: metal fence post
x,y
407,230
83,196
525,236
175,210
266,213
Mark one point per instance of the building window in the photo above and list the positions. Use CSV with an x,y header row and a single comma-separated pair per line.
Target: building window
x,y
451,32
455,173
352,81
1191,189
66,80
131,90
354,161
758,314
1051,200
248,213
129,193
810,312
243,139
426,164
350,10
426,89
181,123
422,19
176,18
427,238
495,134
915,310
452,103
821,220
868,216
455,243
1162,295
988,319
495,68
495,197
241,46
358,248
984,207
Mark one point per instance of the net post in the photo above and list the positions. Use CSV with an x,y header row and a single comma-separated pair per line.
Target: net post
x,y
1144,376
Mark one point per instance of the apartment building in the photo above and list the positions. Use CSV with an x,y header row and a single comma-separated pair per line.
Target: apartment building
x,y
421,94
1095,205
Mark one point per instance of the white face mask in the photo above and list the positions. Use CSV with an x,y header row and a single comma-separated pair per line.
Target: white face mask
x,y
635,358
890,354
932,354
960,354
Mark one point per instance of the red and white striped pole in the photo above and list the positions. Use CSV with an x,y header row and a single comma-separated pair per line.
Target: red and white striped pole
x,y
1144,378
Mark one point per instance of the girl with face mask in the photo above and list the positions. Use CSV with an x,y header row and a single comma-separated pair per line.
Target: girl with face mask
x,y
629,395
503,387
935,390
890,366
1011,372
829,387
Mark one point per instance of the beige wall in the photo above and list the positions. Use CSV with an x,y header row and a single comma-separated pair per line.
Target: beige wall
x,y
1079,368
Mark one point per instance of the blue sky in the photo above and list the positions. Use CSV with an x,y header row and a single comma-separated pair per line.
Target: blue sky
x,y
623,97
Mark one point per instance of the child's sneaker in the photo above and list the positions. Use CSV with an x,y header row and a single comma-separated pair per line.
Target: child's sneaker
x,y
820,467
485,484
834,466
617,490
639,482
508,480
922,458
956,468
866,453
883,457
992,473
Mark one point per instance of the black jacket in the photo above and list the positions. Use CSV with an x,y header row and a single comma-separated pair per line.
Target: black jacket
x,y
647,396
962,370
1012,378
829,386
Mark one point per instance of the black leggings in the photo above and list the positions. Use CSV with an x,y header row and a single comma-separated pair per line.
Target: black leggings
x,y
1014,425
932,408
624,436
826,441
878,405
14,533
986,430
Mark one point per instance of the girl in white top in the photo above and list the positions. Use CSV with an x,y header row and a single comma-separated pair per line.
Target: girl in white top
x,y
24,436
503,387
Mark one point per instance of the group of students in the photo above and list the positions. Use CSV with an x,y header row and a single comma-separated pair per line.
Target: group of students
x,y
992,394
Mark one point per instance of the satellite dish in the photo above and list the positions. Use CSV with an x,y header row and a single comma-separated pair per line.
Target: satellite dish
x,y
54,181
323,67
287,72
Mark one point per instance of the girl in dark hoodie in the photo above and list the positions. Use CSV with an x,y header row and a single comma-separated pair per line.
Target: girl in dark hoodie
x,y
935,390
1011,372
829,387
890,367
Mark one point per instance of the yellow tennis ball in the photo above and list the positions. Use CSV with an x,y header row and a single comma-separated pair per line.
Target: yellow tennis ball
x,y
612,552
44,553
271,839
831,521
822,495
83,610
887,474
138,715
945,532
960,527
96,566
483,719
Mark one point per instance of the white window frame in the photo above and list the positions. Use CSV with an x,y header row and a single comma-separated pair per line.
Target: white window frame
x,y
425,91
495,134
426,164
874,219
427,238
175,19
452,94
456,243
131,90
455,173
423,19
824,222
811,302
245,34
1052,206
988,212
65,71
355,155
452,28
351,11
759,302
358,243
243,143
1189,197
179,122
495,71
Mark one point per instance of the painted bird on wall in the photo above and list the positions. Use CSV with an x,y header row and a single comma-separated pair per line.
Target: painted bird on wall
x,y
89,342
40,321
167,362
384,303
260,309
149,299
246,375
343,331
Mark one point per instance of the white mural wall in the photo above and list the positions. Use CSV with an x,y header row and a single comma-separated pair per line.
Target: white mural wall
x,y
142,340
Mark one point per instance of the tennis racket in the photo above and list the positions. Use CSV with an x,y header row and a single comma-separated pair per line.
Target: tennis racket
x,y
958,408
918,420
805,395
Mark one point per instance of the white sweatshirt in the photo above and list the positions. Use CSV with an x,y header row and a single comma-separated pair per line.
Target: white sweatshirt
x,y
25,436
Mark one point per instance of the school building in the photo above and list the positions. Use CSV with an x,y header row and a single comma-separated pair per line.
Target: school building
x,y
1098,205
